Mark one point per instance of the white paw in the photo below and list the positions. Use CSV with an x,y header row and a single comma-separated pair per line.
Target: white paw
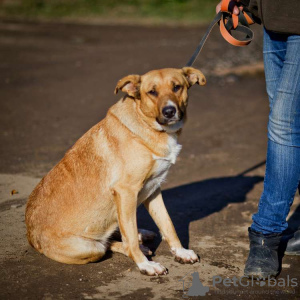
x,y
185,256
146,235
152,268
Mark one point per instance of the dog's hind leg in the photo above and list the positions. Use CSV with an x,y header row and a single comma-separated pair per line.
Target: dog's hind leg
x,y
144,235
118,248
75,250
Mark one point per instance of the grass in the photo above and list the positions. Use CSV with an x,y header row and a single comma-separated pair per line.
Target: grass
x,y
156,11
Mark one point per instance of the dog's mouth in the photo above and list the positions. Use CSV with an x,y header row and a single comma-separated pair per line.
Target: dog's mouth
x,y
166,121
171,125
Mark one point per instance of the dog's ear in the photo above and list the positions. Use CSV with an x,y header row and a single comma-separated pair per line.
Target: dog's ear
x,y
129,85
193,76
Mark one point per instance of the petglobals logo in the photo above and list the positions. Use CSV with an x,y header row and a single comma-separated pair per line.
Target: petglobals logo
x,y
252,281
192,285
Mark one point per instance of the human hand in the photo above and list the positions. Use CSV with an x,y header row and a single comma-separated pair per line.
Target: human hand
x,y
233,7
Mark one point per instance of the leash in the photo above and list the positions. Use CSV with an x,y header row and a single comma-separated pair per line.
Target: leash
x,y
228,22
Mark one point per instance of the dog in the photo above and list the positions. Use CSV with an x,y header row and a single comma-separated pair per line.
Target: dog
x,y
73,212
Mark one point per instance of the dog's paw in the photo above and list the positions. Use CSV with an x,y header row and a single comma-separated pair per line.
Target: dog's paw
x,y
145,250
185,256
152,268
146,235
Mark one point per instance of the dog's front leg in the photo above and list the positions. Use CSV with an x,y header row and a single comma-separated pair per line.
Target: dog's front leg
x,y
126,202
156,208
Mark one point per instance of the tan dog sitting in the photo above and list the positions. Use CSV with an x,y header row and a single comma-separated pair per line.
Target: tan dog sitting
x,y
113,168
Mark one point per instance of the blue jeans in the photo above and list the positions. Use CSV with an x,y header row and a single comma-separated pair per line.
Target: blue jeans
x,y
282,70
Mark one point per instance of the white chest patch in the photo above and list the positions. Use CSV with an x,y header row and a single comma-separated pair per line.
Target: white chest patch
x,y
160,169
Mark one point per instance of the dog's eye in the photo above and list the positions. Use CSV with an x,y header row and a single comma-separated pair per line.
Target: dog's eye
x,y
176,88
153,93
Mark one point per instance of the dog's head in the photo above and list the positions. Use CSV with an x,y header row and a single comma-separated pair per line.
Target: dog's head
x,y
162,94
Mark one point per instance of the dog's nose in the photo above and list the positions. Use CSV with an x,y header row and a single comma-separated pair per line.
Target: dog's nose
x,y
169,112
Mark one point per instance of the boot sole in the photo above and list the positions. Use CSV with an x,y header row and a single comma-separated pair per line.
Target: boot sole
x,y
261,275
292,253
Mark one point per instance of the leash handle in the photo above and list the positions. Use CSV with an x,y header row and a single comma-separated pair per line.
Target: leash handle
x,y
239,23
228,22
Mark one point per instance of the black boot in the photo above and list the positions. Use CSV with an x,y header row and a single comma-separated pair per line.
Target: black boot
x,y
263,258
293,244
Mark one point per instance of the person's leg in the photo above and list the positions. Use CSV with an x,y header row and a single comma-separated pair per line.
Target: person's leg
x,y
282,176
280,186
282,69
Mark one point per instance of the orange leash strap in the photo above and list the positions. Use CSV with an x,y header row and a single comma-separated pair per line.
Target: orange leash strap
x,y
228,22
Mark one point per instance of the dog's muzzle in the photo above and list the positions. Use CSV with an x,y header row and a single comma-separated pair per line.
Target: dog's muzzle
x,y
170,115
169,111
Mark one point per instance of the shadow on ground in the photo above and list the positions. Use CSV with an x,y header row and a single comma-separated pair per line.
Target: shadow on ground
x,y
194,201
